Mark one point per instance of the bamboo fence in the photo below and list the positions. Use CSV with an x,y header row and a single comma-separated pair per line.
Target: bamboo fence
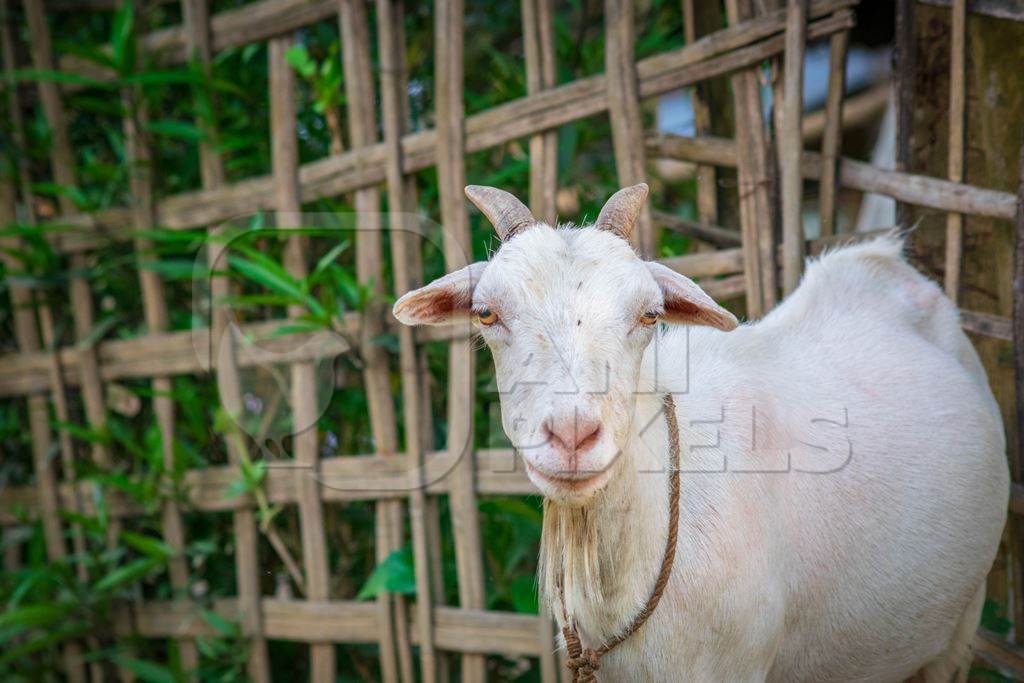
x,y
753,263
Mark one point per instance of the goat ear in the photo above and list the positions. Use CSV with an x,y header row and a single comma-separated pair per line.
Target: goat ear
x,y
444,300
687,303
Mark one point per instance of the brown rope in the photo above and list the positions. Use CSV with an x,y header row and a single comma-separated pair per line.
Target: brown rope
x,y
584,663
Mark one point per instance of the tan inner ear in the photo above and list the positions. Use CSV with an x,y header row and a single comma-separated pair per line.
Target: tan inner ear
x,y
679,310
438,306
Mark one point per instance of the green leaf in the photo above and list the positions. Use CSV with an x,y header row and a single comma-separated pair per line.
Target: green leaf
x,y
329,258
175,269
253,472
122,38
56,77
395,574
298,57
237,488
87,434
33,616
296,328
148,545
127,574
99,331
993,618
66,632
523,590
99,503
146,671
224,627
183,130
278,280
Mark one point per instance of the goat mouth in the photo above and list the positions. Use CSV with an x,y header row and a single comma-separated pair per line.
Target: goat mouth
x,y
573,481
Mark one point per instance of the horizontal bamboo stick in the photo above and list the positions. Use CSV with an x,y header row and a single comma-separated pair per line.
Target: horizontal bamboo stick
x,y
458,630
1001,9
249,23
858,110
906,187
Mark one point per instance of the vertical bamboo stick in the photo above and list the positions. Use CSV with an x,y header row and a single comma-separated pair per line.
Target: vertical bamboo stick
x,y
224,354
432,503
39,426
624,110
539,43
223,358
196,19
62,163
791,145
22,302
355,40
451,171
12,549
405,259
957,116
285,158
1017,461
831,141
754,175
707,188
140,163
905,69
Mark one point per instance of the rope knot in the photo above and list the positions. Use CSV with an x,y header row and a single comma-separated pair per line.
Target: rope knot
x,y
583,663
585,666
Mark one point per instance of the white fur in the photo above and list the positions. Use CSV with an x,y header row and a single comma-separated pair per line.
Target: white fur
x,y
844,482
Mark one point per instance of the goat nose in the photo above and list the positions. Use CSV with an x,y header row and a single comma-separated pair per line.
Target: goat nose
x,y
574,435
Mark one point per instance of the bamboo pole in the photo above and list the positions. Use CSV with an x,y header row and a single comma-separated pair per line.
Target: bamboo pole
x,y
831,141
396,655
235,27
791,146
285,162
1017,460
539,42
223,358
905,68
754,174
707,187
957,122
39,425
140,163
909,188
405,255
539,45
62,163
624,109
23,302
451,172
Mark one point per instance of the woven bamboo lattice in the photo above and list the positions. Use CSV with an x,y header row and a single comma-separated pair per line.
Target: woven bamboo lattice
x,y
754,264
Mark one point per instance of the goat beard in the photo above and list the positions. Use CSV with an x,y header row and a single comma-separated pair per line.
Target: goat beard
x,y
569,568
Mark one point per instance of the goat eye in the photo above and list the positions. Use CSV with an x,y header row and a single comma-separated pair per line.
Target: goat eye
x,y
487,317
649,318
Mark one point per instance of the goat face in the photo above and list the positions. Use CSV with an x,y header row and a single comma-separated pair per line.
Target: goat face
x,y
567,314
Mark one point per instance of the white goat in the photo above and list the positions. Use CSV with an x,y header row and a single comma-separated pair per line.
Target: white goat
x,y
844,483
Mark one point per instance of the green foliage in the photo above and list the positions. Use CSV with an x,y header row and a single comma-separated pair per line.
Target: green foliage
x,y
396,574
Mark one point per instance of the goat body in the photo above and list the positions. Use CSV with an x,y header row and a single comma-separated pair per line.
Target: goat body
x,y
844,489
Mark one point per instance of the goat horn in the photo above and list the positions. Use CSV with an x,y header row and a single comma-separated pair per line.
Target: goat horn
x,y
508,215
622,209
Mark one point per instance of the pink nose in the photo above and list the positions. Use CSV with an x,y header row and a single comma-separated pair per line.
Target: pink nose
x,y
573,435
